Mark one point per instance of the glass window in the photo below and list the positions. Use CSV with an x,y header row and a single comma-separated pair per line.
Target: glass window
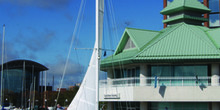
x,y
179,106
169,1
191,71
161,71
214,5
172,71
126,106
129,44
214,20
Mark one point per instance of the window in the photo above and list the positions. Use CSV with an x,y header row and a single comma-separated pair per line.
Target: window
x,y
127,72
179,106
172,75
129,44
126,106
175,71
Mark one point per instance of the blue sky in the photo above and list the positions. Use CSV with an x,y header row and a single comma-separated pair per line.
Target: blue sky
x,y
41,30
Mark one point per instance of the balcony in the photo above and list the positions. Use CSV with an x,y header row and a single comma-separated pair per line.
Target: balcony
x,y
159,81
161,89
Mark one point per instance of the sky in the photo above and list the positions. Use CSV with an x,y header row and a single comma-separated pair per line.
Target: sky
x,y
41,30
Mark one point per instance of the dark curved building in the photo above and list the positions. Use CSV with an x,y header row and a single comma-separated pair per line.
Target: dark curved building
x,y
20,77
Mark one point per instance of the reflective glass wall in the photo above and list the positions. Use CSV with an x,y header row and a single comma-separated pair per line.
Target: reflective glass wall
x,y
15,80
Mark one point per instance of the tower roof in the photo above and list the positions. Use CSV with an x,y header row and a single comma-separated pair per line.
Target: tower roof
x,y
180,5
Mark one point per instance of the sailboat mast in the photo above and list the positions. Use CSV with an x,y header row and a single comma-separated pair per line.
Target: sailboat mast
x,y
98,46
3,40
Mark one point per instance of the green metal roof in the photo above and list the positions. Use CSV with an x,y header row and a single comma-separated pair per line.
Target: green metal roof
x,y
179,5
138,36
184,40
179,42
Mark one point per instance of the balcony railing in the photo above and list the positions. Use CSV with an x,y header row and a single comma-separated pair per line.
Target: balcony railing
x,y
159,81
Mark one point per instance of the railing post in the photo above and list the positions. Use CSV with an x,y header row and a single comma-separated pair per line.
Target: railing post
x,y
182,81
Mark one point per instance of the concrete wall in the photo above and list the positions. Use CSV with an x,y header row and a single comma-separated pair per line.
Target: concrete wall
x,y
163,93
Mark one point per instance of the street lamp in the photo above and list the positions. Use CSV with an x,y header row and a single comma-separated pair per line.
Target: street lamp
x,y
45,104
66,101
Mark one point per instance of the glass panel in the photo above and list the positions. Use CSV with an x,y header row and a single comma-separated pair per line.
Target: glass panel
x,y
179,106
161,71
214,5
169,1
129,44
190,71
126,106
214,20
166,75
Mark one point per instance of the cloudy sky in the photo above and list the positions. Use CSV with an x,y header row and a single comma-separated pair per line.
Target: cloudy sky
x,y
41,30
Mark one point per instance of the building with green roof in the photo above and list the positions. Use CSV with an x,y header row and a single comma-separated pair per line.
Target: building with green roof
x,y
176,68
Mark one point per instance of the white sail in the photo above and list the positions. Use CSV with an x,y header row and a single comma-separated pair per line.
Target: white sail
x,y
87,96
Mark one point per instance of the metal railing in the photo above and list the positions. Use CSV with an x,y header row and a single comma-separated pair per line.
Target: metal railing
x,y
159,81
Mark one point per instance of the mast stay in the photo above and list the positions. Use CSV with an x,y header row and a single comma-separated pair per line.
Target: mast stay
x,y
87,97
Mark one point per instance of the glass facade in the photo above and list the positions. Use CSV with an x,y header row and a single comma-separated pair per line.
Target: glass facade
x,y
16,84
126,106
179,106
13,80
127,72
175,73
179,71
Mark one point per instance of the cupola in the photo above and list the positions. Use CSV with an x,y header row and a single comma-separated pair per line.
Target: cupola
x,y
185,11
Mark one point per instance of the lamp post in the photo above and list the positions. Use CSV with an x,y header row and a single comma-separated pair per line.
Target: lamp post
x,y
66,102
55,103
45,104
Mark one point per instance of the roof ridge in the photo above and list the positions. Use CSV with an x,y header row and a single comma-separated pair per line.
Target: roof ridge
x,y
145,47
198,36
211,39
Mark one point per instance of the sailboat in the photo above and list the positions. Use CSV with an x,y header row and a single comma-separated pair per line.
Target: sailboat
x,y
87,97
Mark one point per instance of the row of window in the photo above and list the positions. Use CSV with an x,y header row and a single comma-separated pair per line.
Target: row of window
x,y
165,71
163,106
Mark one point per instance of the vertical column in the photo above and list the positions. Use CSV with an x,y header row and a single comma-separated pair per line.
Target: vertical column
x,y
143,75
143,106
110,76
206,3
164,16
215,75
110,106
215,106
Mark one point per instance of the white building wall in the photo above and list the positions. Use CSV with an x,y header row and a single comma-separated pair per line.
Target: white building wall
x,y
215,75
143,74
164,94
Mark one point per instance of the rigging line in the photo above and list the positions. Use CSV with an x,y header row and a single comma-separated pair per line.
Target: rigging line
x,y
71,44
114,24
80,23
